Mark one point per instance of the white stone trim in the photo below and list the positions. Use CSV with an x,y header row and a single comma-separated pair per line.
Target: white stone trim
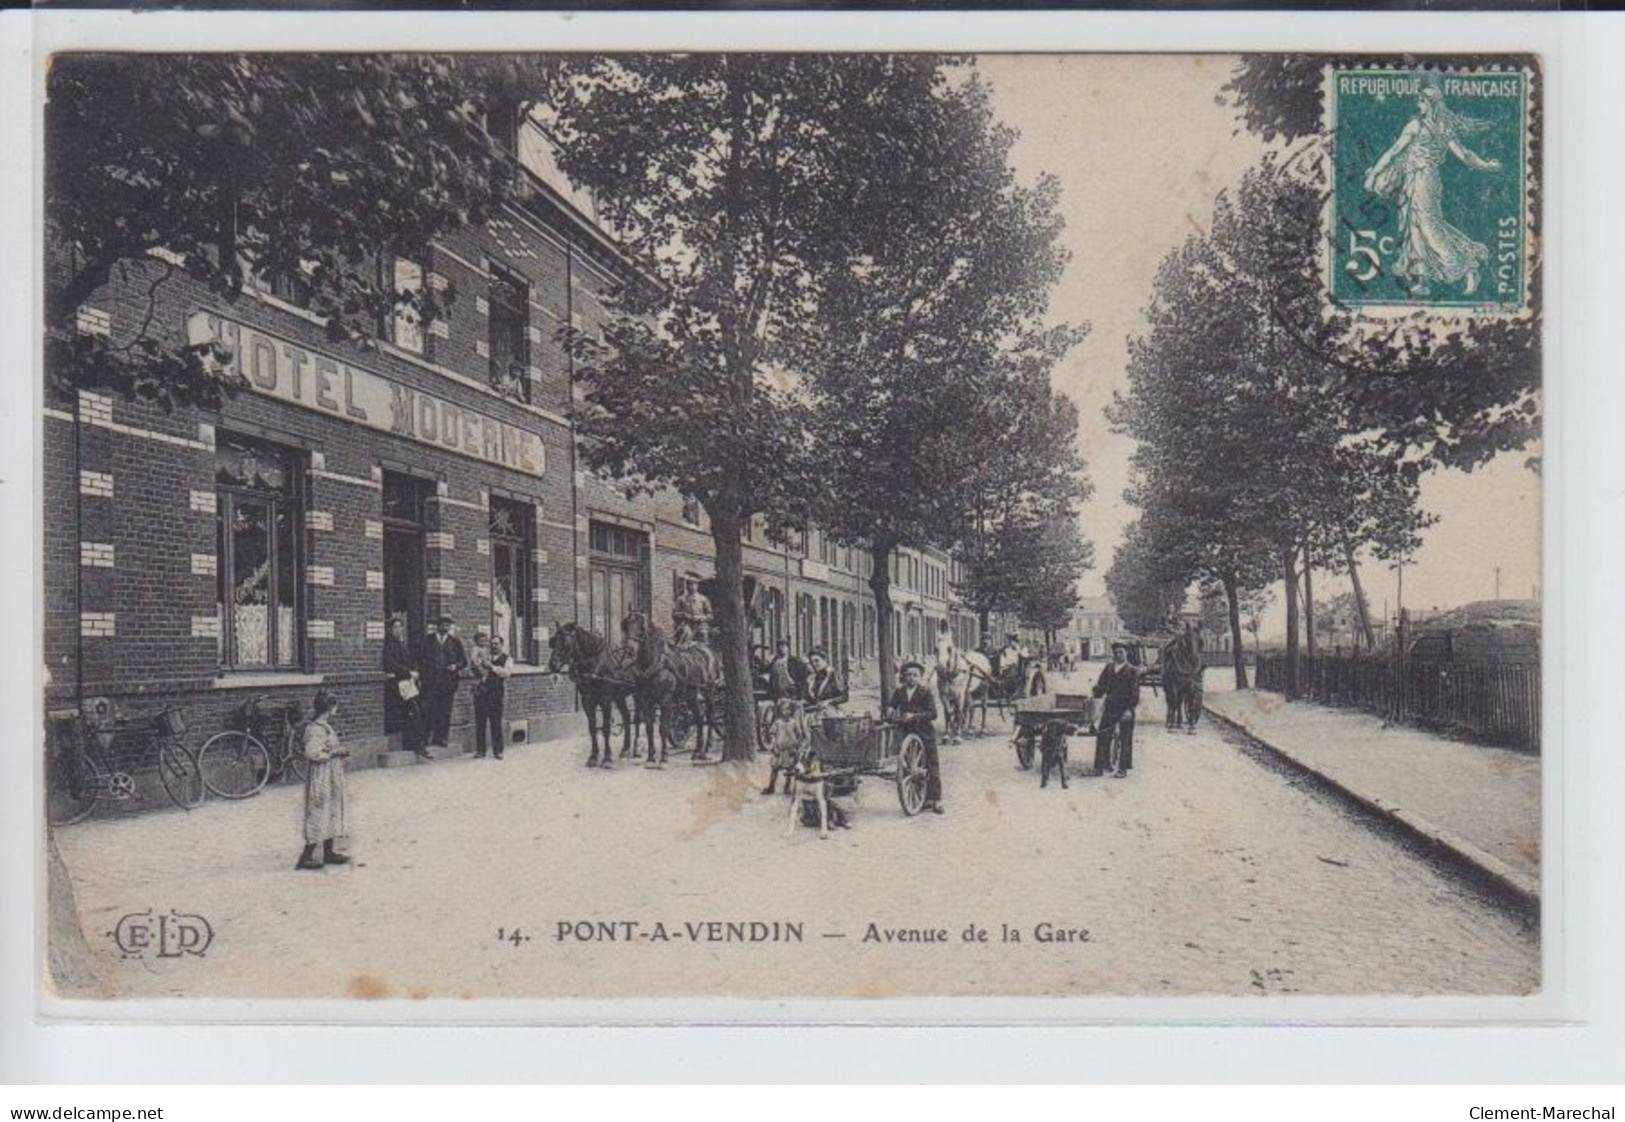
x,y
97,625
482,589
373,630
439,329
440,586
206,627
439,539
320,575
320,629
355,480
204,502
319,520
205,565
96,555
482,306
373,529
482,546
375,580
482,348
97,409
96,483
92,321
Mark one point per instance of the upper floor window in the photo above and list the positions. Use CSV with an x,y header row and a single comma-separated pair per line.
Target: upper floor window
x,y
691,511
510,334
258,491
403,325
291,286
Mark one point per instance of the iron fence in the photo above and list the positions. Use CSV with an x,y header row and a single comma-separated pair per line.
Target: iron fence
x,y
1497,702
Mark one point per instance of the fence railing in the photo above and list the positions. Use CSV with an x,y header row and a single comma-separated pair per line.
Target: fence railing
x,y
1498,702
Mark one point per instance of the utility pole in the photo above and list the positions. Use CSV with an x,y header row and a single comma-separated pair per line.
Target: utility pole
x,y
1497,582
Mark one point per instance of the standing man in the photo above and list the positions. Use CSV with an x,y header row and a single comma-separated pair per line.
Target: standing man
x,y
914,708
781,683
404,688
1119,684
491,669
441,663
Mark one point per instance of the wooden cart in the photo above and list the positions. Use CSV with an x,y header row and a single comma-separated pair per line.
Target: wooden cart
x,y
1077,710
852,747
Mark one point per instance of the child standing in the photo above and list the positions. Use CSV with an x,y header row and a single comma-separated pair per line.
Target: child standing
x,y
324,786
786,736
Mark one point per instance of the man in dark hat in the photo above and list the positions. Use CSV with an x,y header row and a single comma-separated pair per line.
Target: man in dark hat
x,y
441,663
1119,684
914,708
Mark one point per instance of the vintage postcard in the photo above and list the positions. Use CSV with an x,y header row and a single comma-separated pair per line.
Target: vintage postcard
x,y
777,527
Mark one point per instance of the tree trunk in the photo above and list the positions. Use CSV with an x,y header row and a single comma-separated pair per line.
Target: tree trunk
x,y
880,585
1309,600
1238,649
738,704
1359,595
1289,556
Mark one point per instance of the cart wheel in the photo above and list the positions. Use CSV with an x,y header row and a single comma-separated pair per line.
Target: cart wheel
x,y
1024,748
911,774
764,720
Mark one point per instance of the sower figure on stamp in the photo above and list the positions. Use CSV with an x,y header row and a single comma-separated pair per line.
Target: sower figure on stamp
x,y
914,708
405,688
441,662
324,786
491,667
1119,684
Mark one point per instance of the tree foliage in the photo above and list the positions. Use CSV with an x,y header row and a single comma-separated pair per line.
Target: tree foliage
x,y
932,355
285,164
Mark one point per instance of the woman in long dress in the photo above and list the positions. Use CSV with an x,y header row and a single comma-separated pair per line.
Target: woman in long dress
x,y
324,786
1431,250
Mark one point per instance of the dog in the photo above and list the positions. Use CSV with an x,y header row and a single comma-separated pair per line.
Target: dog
x,y
807,780
1052,749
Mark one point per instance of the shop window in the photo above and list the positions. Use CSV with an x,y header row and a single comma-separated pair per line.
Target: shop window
x,y
510,342
258,488
513,538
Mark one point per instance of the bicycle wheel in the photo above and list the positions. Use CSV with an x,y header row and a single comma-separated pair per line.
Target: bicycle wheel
x,y
293,763
73,786
234,765
179,772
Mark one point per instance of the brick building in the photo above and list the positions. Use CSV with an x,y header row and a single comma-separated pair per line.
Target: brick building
x,y
207,557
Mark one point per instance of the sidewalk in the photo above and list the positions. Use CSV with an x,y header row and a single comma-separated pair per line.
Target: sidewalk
x,y
1480,803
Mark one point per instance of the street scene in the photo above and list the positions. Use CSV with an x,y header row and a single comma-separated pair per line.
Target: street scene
x,y
791,526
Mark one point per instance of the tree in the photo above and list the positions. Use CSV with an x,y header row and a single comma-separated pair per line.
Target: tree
x,y
1445,392
1247,450
1148,578
931,352
1253,606
297,165
739,181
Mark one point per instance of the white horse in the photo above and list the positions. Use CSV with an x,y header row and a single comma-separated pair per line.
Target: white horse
x,y
958,678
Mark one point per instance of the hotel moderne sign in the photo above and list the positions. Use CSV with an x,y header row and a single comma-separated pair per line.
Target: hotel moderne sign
x,y
292,372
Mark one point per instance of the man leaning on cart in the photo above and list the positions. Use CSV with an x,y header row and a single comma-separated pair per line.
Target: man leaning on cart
x,y
914,709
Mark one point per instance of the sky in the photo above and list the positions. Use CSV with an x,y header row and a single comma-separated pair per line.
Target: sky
x,y
1141,148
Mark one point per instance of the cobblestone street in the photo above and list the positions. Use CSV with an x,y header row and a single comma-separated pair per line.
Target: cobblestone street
x,y
1206,871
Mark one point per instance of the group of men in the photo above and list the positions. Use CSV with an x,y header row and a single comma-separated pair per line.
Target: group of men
x,y
424,679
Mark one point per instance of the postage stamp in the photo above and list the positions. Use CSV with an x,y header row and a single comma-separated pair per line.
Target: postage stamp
x,y
1430,189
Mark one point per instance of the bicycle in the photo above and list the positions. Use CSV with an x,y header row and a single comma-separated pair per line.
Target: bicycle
x,y
81,772
241,760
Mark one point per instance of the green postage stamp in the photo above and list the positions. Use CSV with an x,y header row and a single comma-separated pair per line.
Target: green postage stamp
x,y
1430,177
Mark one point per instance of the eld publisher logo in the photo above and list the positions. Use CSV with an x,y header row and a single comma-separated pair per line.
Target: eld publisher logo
x,y
171,935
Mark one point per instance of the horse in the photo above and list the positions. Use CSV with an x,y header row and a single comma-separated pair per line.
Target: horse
x,y
959,679
1182,671
603,677
668,676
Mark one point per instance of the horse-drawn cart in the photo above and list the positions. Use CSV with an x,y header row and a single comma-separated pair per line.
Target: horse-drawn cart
x,y
850,747
1076,710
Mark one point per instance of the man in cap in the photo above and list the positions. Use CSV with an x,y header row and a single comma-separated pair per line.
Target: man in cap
x,y
1119,684
402,700
914,708
441,662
